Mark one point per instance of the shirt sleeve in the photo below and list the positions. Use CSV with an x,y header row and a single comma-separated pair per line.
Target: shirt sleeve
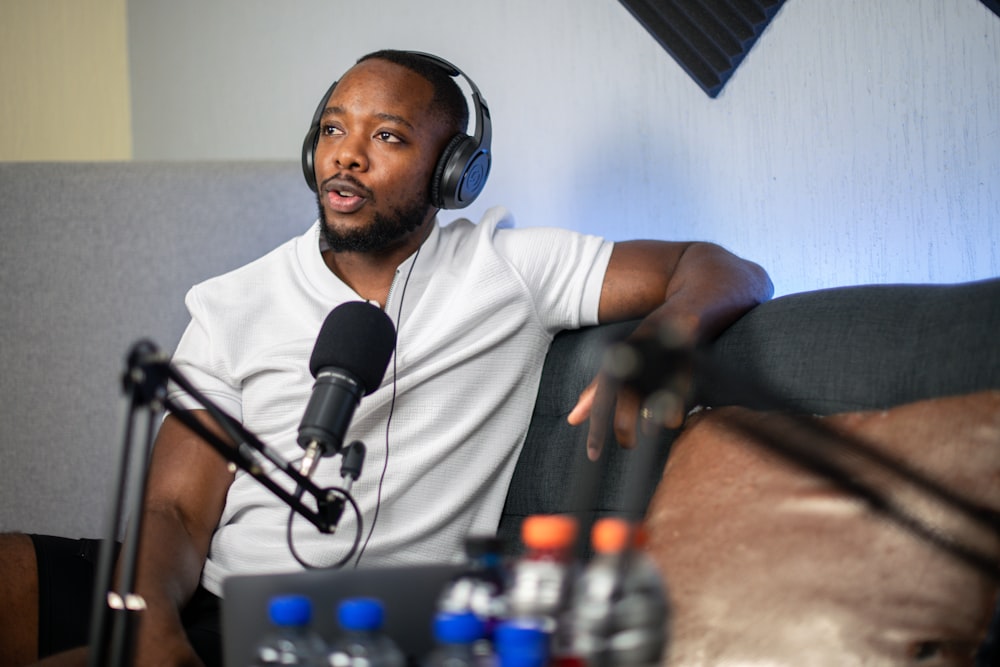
x,y
194,360
563,269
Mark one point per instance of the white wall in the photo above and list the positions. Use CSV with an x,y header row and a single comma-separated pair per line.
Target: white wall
x,y
858,142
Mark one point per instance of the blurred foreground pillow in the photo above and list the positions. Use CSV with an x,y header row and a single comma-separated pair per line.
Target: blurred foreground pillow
x,y
768,564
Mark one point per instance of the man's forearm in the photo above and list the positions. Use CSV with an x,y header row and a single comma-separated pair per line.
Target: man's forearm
x,y
169,567
709,290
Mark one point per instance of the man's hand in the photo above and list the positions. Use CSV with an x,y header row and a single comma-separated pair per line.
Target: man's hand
x,y
688,293
596,403
155,647
607,398
163,643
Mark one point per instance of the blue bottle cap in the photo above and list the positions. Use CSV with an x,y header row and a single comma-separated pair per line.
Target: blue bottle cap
x,y
522,660
290,610
521,644
462,628
364,614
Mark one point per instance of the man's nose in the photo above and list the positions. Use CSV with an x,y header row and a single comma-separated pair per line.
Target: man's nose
x,y
349,153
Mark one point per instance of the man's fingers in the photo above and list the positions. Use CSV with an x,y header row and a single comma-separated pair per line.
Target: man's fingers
x,y
581,411
626,416
600,413
584,410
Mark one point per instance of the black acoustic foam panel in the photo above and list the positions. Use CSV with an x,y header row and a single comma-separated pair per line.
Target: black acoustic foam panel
x,y
708,38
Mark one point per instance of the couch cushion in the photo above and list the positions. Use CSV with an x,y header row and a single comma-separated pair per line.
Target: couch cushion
x,y
770,564
863,347
553,474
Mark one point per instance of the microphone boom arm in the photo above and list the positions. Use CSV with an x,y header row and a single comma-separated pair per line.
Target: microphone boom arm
x,y
241,456
147,373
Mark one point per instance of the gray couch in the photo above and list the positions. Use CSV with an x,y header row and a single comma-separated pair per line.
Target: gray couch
x,y
864,347
96,256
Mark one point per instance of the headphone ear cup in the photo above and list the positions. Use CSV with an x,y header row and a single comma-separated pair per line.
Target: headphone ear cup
x,y
312,139
460,174
439,189
309,157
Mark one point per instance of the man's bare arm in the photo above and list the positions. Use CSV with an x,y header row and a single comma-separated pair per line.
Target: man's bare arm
x,y
186,493
695,289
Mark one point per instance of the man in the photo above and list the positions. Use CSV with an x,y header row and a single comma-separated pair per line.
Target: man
x,y
475,307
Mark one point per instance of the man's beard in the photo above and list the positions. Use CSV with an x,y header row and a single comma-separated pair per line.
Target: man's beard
x,y
384,232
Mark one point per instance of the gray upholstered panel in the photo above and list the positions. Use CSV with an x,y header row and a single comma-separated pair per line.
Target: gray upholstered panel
x,y
865,347
826,351
94,257
553,474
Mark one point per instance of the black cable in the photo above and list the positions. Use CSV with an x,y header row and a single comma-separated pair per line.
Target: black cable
x,y
358,530
392,407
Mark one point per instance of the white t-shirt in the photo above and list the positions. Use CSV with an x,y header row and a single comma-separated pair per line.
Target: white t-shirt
x,y
474,318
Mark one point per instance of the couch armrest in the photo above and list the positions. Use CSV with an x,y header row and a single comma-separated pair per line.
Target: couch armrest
x,y
864,347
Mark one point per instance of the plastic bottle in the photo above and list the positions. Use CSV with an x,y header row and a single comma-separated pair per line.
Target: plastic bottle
x,y
521,644
456,636
292,640
542,578
620,607
361,642
482,587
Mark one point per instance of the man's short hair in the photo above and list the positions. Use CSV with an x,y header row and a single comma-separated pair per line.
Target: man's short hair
x,y
448,97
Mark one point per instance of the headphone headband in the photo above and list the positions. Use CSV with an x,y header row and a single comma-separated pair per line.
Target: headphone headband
x,y
462,169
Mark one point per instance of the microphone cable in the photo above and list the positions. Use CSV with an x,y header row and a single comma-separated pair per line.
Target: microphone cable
x,y
289,538
358,530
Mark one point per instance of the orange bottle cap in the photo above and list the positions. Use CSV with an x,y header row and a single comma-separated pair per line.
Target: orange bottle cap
x,y
548,531
610,535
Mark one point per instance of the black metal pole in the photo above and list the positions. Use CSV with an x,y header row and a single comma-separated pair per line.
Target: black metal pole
x,y
115,606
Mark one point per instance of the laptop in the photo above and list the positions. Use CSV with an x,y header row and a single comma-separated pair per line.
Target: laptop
x,y
409,595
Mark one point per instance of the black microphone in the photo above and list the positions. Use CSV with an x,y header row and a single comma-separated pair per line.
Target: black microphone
x,y
349,360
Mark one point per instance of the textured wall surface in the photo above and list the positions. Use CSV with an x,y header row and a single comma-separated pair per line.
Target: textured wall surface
x,y
858,141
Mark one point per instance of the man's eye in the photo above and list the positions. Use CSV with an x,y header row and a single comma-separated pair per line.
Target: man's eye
x,y
331,130
388,137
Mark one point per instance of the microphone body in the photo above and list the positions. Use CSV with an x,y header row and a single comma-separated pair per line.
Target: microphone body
x,y
348,361
335,396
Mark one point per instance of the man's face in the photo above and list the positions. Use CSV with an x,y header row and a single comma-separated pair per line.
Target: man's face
x,y
378,144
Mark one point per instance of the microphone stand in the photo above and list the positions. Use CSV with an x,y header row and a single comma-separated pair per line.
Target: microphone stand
x,y
112,619
116,606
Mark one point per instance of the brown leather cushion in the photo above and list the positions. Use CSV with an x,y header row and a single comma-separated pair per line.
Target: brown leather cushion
x,y
770,565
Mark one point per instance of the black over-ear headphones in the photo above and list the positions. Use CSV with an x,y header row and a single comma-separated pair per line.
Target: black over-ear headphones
x,y
461,171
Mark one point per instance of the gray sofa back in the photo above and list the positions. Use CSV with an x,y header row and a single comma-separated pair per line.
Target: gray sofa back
x,y
97,256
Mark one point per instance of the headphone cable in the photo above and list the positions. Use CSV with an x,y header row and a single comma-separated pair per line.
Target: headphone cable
x,y
392,407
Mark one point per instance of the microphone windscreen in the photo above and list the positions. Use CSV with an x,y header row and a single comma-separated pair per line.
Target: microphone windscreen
x,y
356,337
